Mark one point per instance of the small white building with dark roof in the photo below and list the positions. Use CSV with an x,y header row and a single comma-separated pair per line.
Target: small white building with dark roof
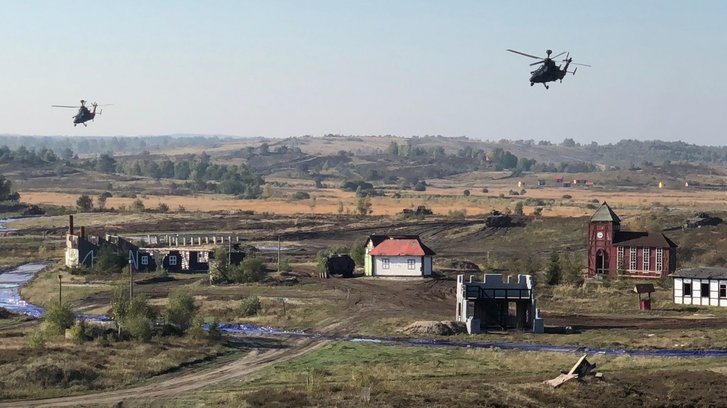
x,y
704,286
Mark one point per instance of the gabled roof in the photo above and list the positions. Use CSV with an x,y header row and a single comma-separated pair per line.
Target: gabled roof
x,y
605,214
401,247
702,272
642,239
376,239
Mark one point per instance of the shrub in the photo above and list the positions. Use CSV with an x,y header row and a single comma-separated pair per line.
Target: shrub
x,y
567,196
163,208
466,193
181,310
358,251
251,269
139,327
420,186
195,330
137,206
84,203
300,195
250,306
78,331
37,339
58,317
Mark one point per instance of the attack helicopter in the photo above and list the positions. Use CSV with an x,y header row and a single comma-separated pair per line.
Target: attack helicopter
x,y
549,71
84,114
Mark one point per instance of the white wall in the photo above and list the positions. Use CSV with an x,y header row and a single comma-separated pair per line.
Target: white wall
x,y
695,298
399,266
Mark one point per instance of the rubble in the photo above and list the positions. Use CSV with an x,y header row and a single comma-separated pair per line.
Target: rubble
x,y
580,370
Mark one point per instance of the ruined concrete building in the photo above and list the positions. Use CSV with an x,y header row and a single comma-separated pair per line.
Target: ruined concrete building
x,y
486,304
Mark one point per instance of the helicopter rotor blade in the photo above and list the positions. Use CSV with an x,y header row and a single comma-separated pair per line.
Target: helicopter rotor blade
x,y
583,65
536,63
64,106
522,53
558,55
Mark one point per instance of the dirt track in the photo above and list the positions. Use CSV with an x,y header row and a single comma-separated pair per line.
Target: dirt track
x,y
250,363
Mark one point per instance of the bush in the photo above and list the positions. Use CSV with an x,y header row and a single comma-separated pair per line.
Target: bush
x,y
84,203
420,186
163,208
251,269
300,195
181,310
58,317
358,251
139,327
37,339
78,331
466,193
250,306
137,206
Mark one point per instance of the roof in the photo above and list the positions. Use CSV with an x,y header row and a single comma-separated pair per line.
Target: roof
x,y
376,239
702,272
644,288
401,247
605,214
642,239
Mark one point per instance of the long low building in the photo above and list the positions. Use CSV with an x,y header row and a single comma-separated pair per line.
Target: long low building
x,y
704,286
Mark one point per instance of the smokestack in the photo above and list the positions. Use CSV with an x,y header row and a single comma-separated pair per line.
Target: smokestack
x,y
83,231
70,225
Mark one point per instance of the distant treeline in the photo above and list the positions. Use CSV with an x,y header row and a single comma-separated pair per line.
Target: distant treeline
x,y
197,170
116,145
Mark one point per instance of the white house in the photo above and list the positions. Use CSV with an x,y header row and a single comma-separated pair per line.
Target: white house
x,y
398,256
705,286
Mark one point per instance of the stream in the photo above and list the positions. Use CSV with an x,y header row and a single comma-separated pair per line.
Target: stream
x,y
12,280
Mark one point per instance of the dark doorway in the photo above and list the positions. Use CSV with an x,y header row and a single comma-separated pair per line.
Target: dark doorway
x,y
704,288
601,262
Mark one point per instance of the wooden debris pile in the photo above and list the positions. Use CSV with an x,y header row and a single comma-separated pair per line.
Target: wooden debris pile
x,y
580,370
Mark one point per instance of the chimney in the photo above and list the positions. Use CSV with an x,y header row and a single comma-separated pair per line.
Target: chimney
x,y
83,231
70,225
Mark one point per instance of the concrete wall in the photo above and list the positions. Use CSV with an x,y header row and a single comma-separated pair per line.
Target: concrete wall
x,y
399,266
695,297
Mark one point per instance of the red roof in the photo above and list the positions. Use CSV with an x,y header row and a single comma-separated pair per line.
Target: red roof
x,y
401,247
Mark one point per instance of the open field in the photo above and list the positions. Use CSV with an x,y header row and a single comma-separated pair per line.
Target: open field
x,y
599,315
339,375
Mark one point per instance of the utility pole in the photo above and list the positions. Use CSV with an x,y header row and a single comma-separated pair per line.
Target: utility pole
x,y
131,281
279,262
60,290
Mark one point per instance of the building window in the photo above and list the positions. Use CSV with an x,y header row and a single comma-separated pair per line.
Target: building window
x,y
659,259
410,263
632,252
722,290
704,289
144,260
687,289
384,263
173,260
620,257
645,262
202,257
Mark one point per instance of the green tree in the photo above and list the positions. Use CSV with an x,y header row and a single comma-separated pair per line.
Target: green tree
x,y
181,310
6,193
84,203
220,267
109,260
358,251
132,314
553,273
393,149
163,208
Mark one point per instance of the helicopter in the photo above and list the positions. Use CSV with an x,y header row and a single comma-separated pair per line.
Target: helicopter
x,y
549,72
83,115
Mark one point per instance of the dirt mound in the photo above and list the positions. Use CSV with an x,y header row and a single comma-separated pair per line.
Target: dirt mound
x,y
445,328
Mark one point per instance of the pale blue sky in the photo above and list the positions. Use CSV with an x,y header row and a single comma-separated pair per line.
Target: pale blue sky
x,y
288,68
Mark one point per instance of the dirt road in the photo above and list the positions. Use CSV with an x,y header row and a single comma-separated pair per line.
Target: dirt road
x,y
167,389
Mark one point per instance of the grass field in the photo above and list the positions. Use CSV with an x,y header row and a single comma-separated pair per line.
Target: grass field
x,y
341,374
